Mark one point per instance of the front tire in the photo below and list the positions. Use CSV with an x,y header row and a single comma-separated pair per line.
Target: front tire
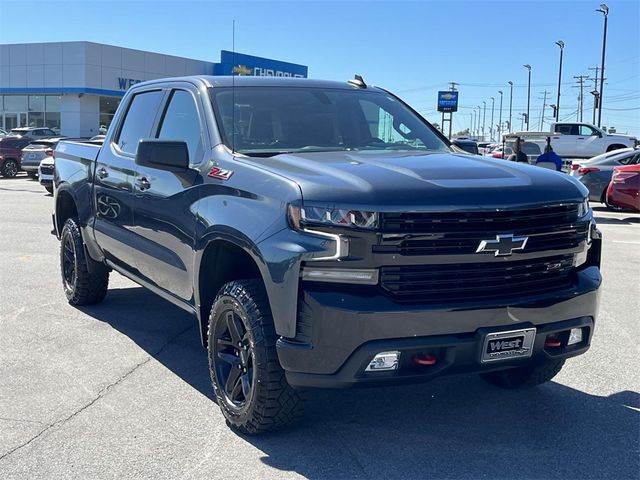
x,y
9,168
82,285
524,377
248,381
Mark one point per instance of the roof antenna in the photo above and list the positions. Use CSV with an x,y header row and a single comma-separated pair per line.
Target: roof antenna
x,y
233,87
357,82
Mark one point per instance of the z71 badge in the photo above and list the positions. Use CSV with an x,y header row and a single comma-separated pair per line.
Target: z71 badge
x,y
217,172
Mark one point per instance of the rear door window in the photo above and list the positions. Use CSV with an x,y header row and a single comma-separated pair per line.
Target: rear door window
x,y
139,120
567,129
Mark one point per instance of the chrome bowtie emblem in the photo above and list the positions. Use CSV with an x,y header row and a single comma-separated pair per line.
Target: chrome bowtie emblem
x,y
503,245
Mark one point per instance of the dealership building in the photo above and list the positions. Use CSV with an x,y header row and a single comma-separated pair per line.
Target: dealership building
x,y
75,87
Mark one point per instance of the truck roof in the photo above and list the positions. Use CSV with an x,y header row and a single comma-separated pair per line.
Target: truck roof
x,y
251,81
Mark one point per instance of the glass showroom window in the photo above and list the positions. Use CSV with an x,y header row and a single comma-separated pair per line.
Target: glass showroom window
x,y
108,106
52,112
36,110
14,111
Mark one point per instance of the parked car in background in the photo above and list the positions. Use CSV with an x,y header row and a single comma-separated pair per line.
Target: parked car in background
x,y
33,154
613,155
584,140
3,133
596,175
45,173
482,146
11,154
624,188
466,144
34,132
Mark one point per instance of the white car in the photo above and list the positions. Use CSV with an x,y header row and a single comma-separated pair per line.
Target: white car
x,y
45,173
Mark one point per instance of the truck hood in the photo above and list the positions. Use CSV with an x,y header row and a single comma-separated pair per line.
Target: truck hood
x,y
407,180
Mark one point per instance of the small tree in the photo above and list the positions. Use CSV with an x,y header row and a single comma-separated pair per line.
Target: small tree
x,y
463,133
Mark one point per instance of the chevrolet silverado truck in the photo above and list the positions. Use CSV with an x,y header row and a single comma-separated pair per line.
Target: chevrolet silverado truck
x,y
583,140
325,235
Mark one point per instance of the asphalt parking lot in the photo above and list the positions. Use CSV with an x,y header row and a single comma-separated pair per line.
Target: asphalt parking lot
x,y
121,389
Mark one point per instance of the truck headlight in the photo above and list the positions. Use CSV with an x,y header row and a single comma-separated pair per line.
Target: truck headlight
x,y
338,217
583,208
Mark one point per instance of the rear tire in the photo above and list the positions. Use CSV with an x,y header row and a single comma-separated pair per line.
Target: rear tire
x,y
32,175
250,385
9,168
82,285
524,377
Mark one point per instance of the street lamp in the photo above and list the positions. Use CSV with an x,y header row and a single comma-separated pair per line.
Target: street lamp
x,y
493,104
478,117
484,117
560,43
605,11
510,104
528,67
500,117
473,123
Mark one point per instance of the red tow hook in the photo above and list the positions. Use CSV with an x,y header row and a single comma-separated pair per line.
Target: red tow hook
x,y
552,341
427,359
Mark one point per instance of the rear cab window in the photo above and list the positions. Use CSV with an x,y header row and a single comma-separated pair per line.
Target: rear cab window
x,y
138,121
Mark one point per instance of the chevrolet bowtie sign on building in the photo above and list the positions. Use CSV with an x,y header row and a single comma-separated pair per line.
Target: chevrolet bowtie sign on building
x,y
247,65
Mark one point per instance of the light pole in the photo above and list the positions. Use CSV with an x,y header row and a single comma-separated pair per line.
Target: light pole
x,y
560,43
493,104
605,11
478,117
510,104
484,117
473,123
500,117
528,67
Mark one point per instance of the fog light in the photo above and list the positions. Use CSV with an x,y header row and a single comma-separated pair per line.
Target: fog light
x,y
575,336
384,361
341,275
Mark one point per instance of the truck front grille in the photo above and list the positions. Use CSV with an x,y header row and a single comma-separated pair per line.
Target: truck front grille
x,y
459,233
465,282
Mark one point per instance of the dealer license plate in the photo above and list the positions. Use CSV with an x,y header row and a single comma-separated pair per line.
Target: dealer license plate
x,y
507,345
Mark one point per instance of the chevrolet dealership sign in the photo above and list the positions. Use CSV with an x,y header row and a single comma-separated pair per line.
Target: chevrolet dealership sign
x,y
247,65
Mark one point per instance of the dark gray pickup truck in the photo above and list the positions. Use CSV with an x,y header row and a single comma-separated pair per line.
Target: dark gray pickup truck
x,y
323,234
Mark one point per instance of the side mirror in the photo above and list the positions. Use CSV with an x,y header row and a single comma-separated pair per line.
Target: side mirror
x,y
171,155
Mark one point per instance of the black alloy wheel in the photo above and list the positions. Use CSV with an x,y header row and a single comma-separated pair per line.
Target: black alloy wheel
x,y
235,354
9,168
69,262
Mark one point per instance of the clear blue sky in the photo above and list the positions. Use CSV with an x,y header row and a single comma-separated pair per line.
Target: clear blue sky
x,y
412,48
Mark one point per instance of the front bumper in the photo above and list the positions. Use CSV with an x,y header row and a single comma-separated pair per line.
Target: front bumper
x,y
344,331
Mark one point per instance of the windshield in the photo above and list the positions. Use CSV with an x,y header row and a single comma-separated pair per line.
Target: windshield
x,y
273,120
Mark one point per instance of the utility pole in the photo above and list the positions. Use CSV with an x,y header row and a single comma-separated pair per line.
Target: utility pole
x,y
580,79
544,104
510,105
478,122
605,11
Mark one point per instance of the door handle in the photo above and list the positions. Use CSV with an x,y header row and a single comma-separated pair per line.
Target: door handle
x,y
102,173
142,183
580,138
